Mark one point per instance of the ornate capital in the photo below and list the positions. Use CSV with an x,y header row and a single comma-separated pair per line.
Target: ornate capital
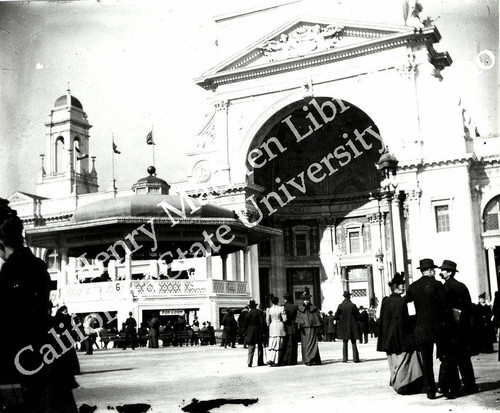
x,y
222,105
413,195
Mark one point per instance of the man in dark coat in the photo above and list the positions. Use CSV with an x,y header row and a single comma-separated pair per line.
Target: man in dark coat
x,y
24,316
330,327
485,331
130,332
347,315
241,326
290,340
229,329
457,345
253,333
363,325
309,322
429,299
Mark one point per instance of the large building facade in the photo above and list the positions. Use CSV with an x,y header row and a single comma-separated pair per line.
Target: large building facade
x,y
301,118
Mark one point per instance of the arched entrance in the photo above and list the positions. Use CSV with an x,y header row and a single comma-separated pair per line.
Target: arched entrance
x,y
314,171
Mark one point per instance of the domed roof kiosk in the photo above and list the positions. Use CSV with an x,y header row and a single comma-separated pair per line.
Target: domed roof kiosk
x,y
155,226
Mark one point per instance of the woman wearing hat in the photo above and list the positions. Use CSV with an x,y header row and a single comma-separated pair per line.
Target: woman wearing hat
x,y
308,322
394,339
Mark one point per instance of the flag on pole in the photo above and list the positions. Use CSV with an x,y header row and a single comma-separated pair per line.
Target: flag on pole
x,y
115,149
149,138
80,155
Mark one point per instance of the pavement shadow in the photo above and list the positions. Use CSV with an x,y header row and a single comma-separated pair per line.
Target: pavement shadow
x,y
492,385
103,371
339,361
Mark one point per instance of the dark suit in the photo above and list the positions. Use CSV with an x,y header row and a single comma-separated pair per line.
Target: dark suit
x,y
459,339
253,335
289,356
430,307
348,328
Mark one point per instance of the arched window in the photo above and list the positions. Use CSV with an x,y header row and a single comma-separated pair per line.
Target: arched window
x,y
59,155
491,215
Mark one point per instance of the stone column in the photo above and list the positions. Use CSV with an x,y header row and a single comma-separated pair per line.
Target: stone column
x,y
128,267
253,279
221,133
64,267
343,272
414,231
223,258
492,271
277,276
208,261
398,235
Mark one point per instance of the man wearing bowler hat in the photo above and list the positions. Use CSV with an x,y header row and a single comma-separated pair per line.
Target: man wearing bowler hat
x,y
348,327
457,344
429,298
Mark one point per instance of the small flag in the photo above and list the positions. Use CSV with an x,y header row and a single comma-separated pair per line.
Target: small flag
x,y
115,149
149,138
81,155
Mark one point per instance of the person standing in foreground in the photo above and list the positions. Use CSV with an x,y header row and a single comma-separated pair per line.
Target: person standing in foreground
x,y
253,333
394,339
275,317
130,332
308,322
429,299
290,345
457,346
24,314
348,327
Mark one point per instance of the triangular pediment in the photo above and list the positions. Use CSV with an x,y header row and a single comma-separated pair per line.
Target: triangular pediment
x,y
19,197
307,38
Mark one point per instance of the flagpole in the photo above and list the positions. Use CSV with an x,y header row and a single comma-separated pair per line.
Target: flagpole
x,y
113,163
153,145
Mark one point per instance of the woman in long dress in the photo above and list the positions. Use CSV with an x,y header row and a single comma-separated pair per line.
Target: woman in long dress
x,y
395,326
275,318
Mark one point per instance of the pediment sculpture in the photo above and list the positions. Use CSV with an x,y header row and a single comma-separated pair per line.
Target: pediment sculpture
x,y
303,40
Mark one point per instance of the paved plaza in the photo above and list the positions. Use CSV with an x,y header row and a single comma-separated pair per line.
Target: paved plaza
x,y
169,379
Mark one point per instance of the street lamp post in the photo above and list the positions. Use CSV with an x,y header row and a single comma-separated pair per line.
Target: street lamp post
x,y
387,165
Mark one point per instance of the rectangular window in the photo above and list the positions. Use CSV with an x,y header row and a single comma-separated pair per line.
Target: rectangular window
x,y
354,242
442,218
301,244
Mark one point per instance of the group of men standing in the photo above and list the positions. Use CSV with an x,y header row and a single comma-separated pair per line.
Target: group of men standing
x,y
443,317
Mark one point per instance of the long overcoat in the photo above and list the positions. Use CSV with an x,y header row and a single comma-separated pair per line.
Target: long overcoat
x,y
291,315
24,313
394,323
253,326
432,310
348,315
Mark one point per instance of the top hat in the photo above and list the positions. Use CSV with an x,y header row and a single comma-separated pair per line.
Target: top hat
x,y
330,312
398,279
252,304
287,296
426,263
347,294
449,266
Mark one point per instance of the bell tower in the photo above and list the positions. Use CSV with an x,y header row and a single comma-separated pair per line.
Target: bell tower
x,y
67,158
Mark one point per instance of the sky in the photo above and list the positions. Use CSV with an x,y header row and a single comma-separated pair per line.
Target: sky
x,y
132,64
